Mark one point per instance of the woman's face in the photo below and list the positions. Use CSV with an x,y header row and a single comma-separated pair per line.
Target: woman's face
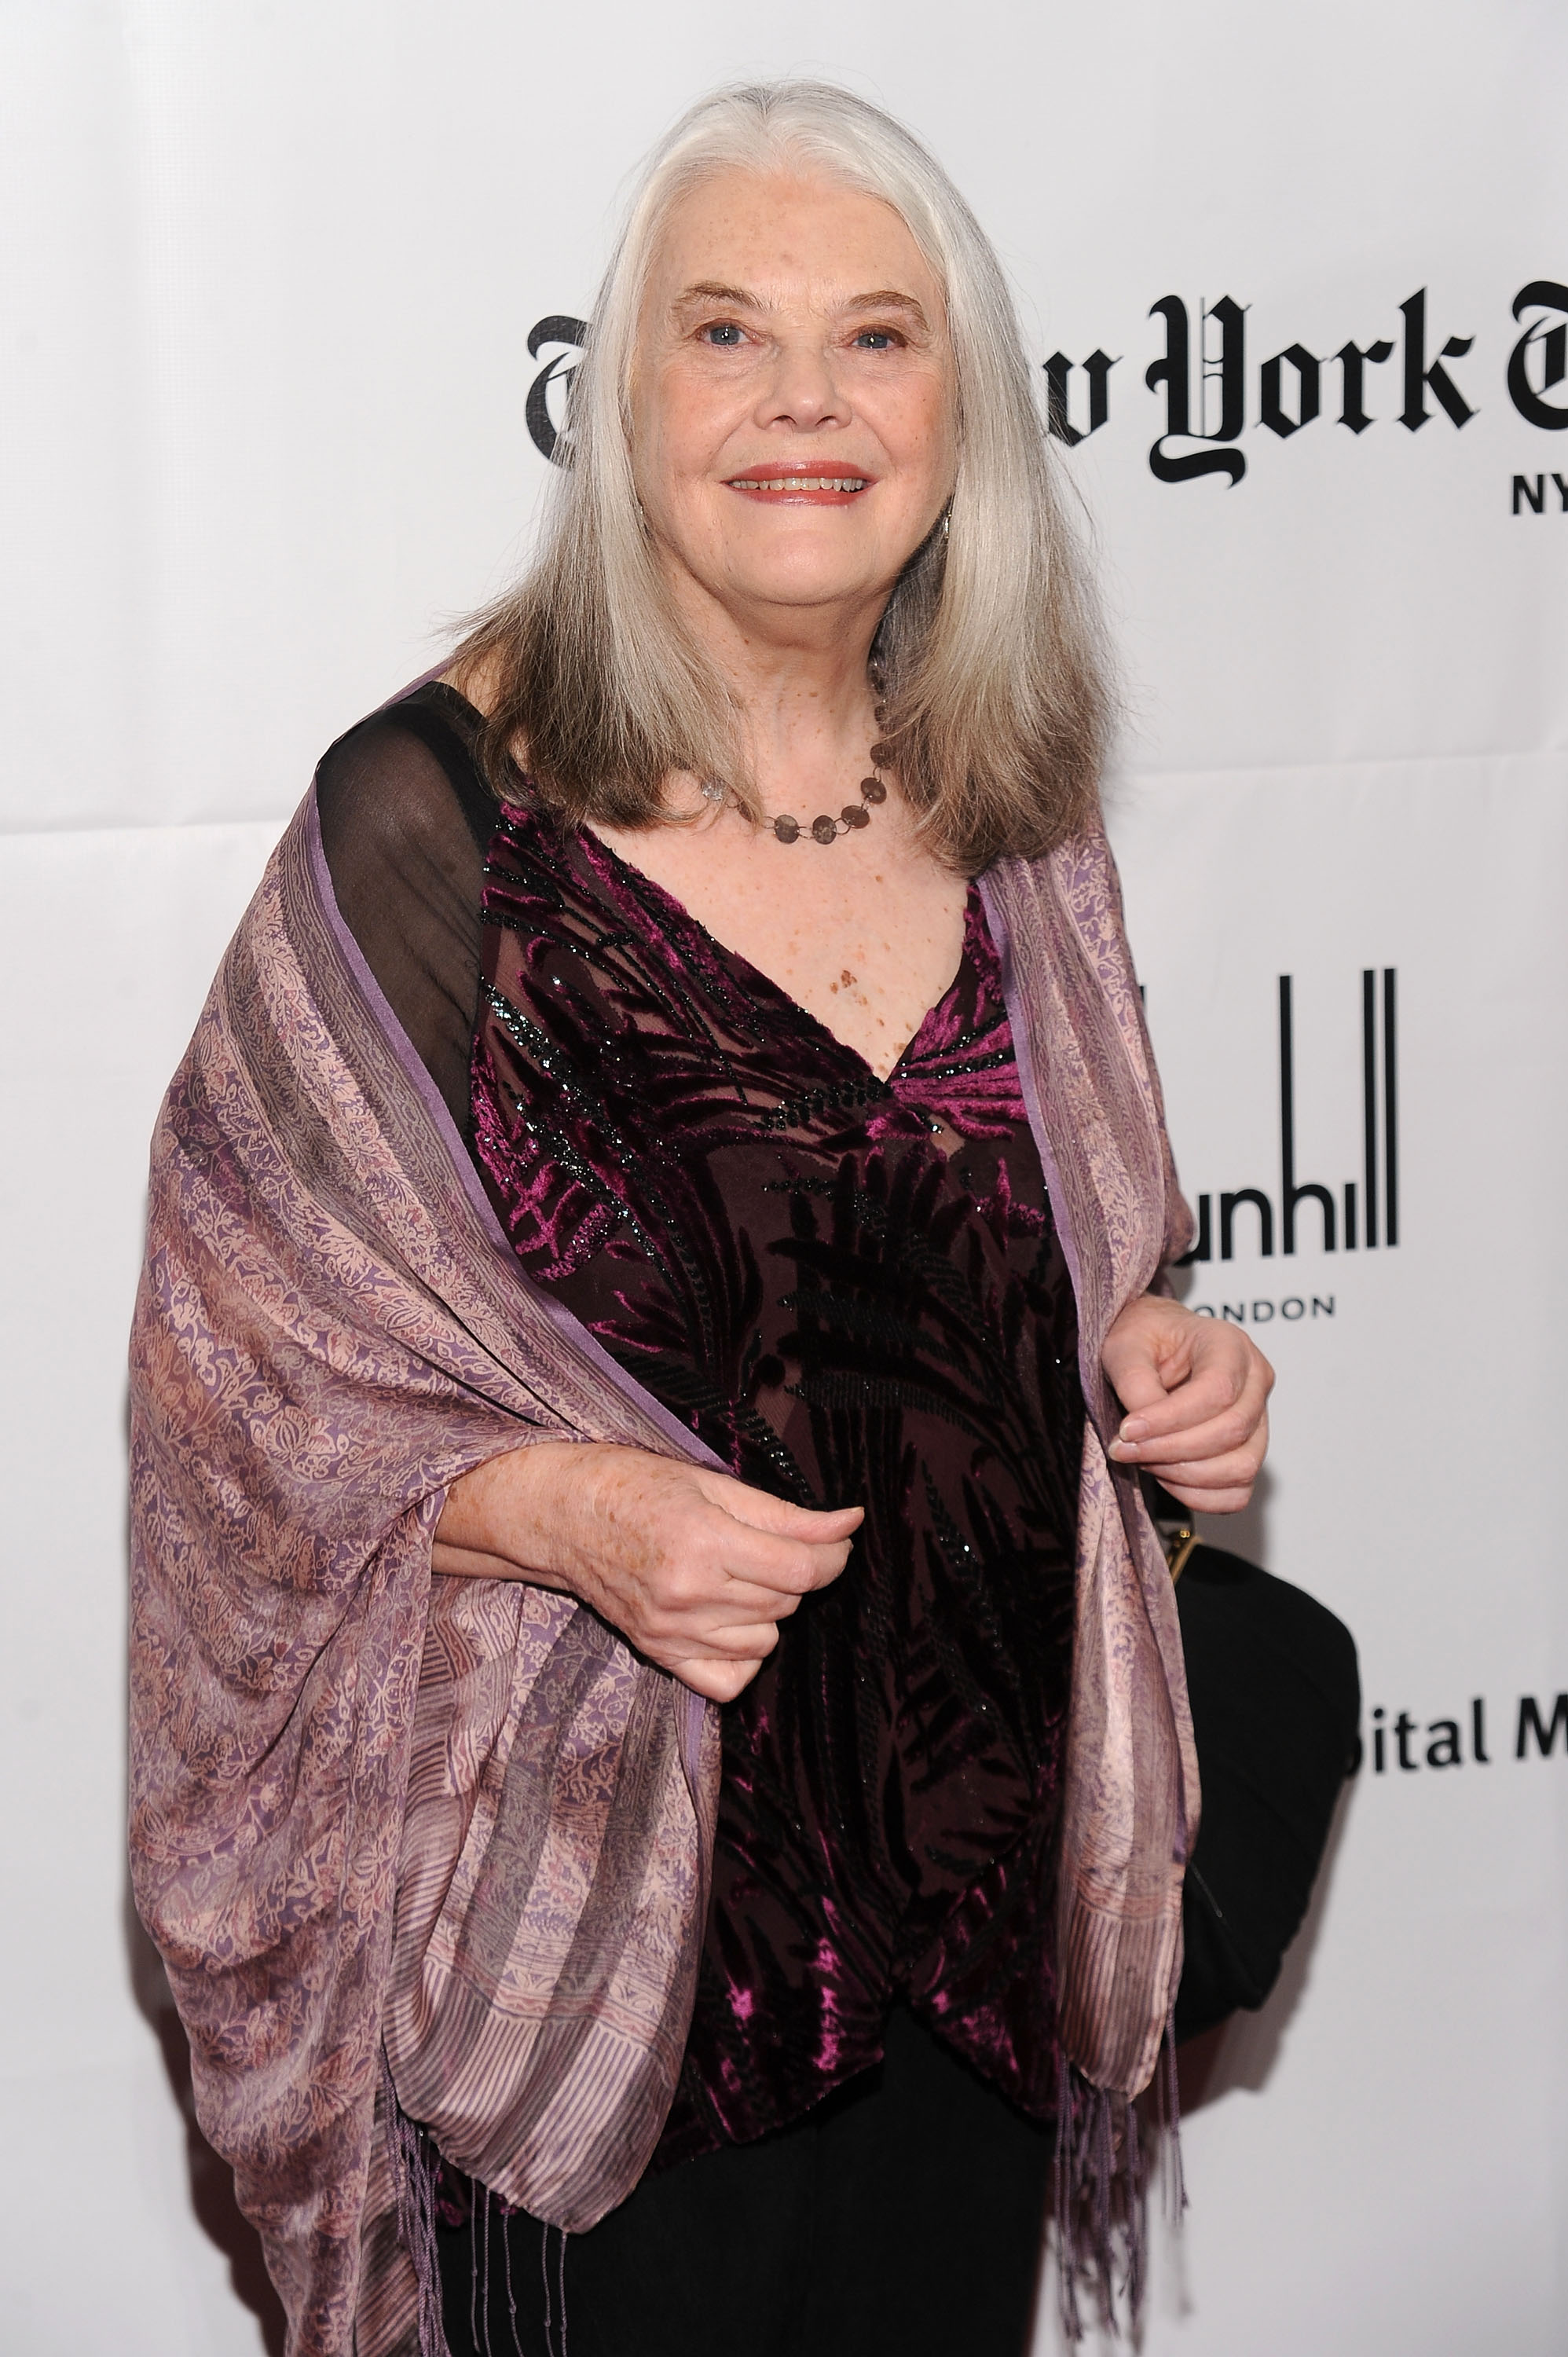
x,y
792,404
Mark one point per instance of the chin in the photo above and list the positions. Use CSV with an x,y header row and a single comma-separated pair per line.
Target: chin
x,y
803,586
801,569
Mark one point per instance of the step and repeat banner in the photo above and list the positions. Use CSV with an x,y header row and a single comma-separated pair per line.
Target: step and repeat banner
x,y
292,293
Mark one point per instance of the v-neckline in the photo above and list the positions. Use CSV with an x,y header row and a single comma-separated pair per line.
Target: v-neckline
x,y
755,977
752,976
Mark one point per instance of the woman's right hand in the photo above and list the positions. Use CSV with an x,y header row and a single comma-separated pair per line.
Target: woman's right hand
x,y
695,1570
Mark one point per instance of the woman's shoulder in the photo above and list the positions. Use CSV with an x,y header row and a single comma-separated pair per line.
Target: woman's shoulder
x,y
406,777
406,819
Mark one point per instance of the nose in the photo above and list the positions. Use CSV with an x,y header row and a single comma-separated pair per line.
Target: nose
x,y
803,390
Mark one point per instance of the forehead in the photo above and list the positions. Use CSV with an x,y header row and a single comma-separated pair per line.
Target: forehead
x,y
788,239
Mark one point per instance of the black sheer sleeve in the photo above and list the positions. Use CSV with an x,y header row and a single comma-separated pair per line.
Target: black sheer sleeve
x,y
405,825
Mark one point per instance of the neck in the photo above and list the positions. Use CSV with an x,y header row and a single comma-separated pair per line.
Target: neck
x,y
801,678
808,718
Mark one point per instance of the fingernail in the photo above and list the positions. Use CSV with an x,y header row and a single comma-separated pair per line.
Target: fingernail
x,y
1133,1429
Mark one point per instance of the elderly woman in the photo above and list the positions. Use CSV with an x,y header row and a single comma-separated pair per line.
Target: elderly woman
x,y
657,1708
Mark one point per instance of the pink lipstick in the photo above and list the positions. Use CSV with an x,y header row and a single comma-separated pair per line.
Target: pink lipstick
x,y
814,484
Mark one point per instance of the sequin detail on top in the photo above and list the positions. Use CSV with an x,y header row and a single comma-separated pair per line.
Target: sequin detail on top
x,y
853,1291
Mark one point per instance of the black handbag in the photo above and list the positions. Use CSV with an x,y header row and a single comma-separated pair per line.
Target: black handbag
x,y
1276,1706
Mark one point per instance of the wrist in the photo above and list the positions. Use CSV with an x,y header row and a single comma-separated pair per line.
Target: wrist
x,y
509,1509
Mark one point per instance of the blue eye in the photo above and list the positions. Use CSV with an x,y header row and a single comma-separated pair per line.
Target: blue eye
x,y
875,340
723,333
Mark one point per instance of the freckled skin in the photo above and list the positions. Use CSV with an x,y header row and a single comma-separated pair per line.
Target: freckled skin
x,y
865,933
835,357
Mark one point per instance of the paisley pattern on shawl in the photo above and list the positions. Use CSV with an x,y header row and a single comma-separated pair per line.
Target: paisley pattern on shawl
x,y
854,1292
329,1330
331,1327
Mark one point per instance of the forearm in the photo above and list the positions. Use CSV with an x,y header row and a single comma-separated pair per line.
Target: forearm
x,y
695,1568
500,1521
469,1563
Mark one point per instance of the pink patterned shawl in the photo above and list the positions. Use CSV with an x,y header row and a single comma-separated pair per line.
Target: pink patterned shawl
x,y
460,1820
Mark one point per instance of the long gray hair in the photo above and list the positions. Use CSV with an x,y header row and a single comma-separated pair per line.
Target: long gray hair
x,y
993,679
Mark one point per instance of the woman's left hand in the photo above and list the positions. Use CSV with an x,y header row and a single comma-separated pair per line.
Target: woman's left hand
x,y
1195,1392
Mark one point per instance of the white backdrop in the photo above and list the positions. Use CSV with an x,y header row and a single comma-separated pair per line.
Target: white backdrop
x,y
270,268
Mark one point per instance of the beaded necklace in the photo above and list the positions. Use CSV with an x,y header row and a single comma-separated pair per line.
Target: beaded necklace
x,y
824,828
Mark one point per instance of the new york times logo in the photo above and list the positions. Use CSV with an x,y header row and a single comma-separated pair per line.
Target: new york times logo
x,y
1210,394
545,410
1358,1214
1210,398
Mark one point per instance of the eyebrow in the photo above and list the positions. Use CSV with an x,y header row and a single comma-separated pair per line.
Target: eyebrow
x,y
887,298
708,290
880,298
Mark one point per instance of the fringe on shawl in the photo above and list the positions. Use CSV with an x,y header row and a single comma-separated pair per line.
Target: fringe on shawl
x,y
415,2171
425,2191
1107,2150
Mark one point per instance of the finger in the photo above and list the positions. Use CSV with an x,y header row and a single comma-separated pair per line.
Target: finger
x,y
724,1603
670,1637
1200,1401
1212,1501
1217,1502
784,1565
708,1605
1154,1336
1207,1392
1172,1380
762,1512
718,1682
1211,1398
703,1634
1238,1469
1133,1375
1245,1425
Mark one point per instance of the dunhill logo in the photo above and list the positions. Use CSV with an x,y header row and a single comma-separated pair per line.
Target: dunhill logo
x,y
1364,1214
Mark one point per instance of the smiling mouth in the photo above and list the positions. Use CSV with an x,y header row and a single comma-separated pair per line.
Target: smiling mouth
x,y
815,486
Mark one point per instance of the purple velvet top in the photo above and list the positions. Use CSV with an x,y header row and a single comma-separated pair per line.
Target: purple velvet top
x,y
853,1290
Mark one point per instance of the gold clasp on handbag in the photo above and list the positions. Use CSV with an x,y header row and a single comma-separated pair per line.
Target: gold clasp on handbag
x,y
1178,1539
